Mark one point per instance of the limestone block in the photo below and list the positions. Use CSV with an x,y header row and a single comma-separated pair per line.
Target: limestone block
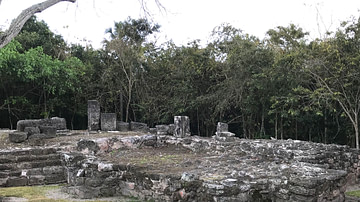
x,y
162,129
122,126
182,126
171,129
139,127
17,136
93,115
17,181
36,180
49,131
108,121
222,127
87,146
58,123
32,130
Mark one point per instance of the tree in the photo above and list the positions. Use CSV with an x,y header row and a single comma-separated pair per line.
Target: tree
x,y
334,66
126,49
17,24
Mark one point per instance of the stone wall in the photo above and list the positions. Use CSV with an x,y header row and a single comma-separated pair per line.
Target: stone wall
x,y
243,170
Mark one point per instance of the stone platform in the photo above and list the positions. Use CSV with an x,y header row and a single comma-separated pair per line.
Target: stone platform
x,y
167,168
203,169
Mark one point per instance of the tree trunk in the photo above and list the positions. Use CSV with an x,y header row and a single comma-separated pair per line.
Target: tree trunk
x,y
276,126
262,129
18,23
356,127
296,129
121,111
244,127
281,128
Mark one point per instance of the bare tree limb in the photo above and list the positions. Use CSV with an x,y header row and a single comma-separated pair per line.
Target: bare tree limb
x,y
18,23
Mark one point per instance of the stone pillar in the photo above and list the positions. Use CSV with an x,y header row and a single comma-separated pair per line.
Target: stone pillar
x,y
93,115
222,130
182,126
222,127
108,121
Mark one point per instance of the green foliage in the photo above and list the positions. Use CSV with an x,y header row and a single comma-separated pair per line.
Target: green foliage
x,y
284,86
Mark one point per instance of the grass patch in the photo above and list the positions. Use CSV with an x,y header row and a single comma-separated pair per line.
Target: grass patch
x,y
353,193
32,193
38,194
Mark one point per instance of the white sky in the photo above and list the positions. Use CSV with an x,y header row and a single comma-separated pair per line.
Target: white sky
x,y
186,20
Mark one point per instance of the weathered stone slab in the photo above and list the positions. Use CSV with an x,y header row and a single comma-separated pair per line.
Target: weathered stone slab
x,y
93,115
87,146
49,131
32,130
36,180
182,126
162,129
108,121
17,181
122,126
18,137
222,127
58,123
222,132
139,127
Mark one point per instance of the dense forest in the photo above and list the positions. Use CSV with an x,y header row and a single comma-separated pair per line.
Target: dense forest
x,y
283,86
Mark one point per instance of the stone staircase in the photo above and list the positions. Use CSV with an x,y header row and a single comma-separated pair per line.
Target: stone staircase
x,y
31,166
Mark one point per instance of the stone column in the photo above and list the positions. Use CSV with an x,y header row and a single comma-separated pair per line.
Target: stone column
x,y
182,126
222,127
93,115
222,130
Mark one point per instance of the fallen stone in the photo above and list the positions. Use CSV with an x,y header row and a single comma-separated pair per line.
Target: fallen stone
x,y
18,137
87,146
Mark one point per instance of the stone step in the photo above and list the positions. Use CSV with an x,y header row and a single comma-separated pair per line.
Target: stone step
x,y
48,170
29,165
35,176
28,151
27,158
32,180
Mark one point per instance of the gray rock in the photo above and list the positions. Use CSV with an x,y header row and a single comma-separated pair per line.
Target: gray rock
x,y
93,115
32,130
122,126
18,137
139,127
49,131
87,146
162,129
58,123
108,121
222,127
182,126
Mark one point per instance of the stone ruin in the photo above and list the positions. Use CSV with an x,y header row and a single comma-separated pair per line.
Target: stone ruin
x,y
36,130
166,163
108,122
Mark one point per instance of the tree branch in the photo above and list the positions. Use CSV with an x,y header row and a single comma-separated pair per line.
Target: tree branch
x,y
18,23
